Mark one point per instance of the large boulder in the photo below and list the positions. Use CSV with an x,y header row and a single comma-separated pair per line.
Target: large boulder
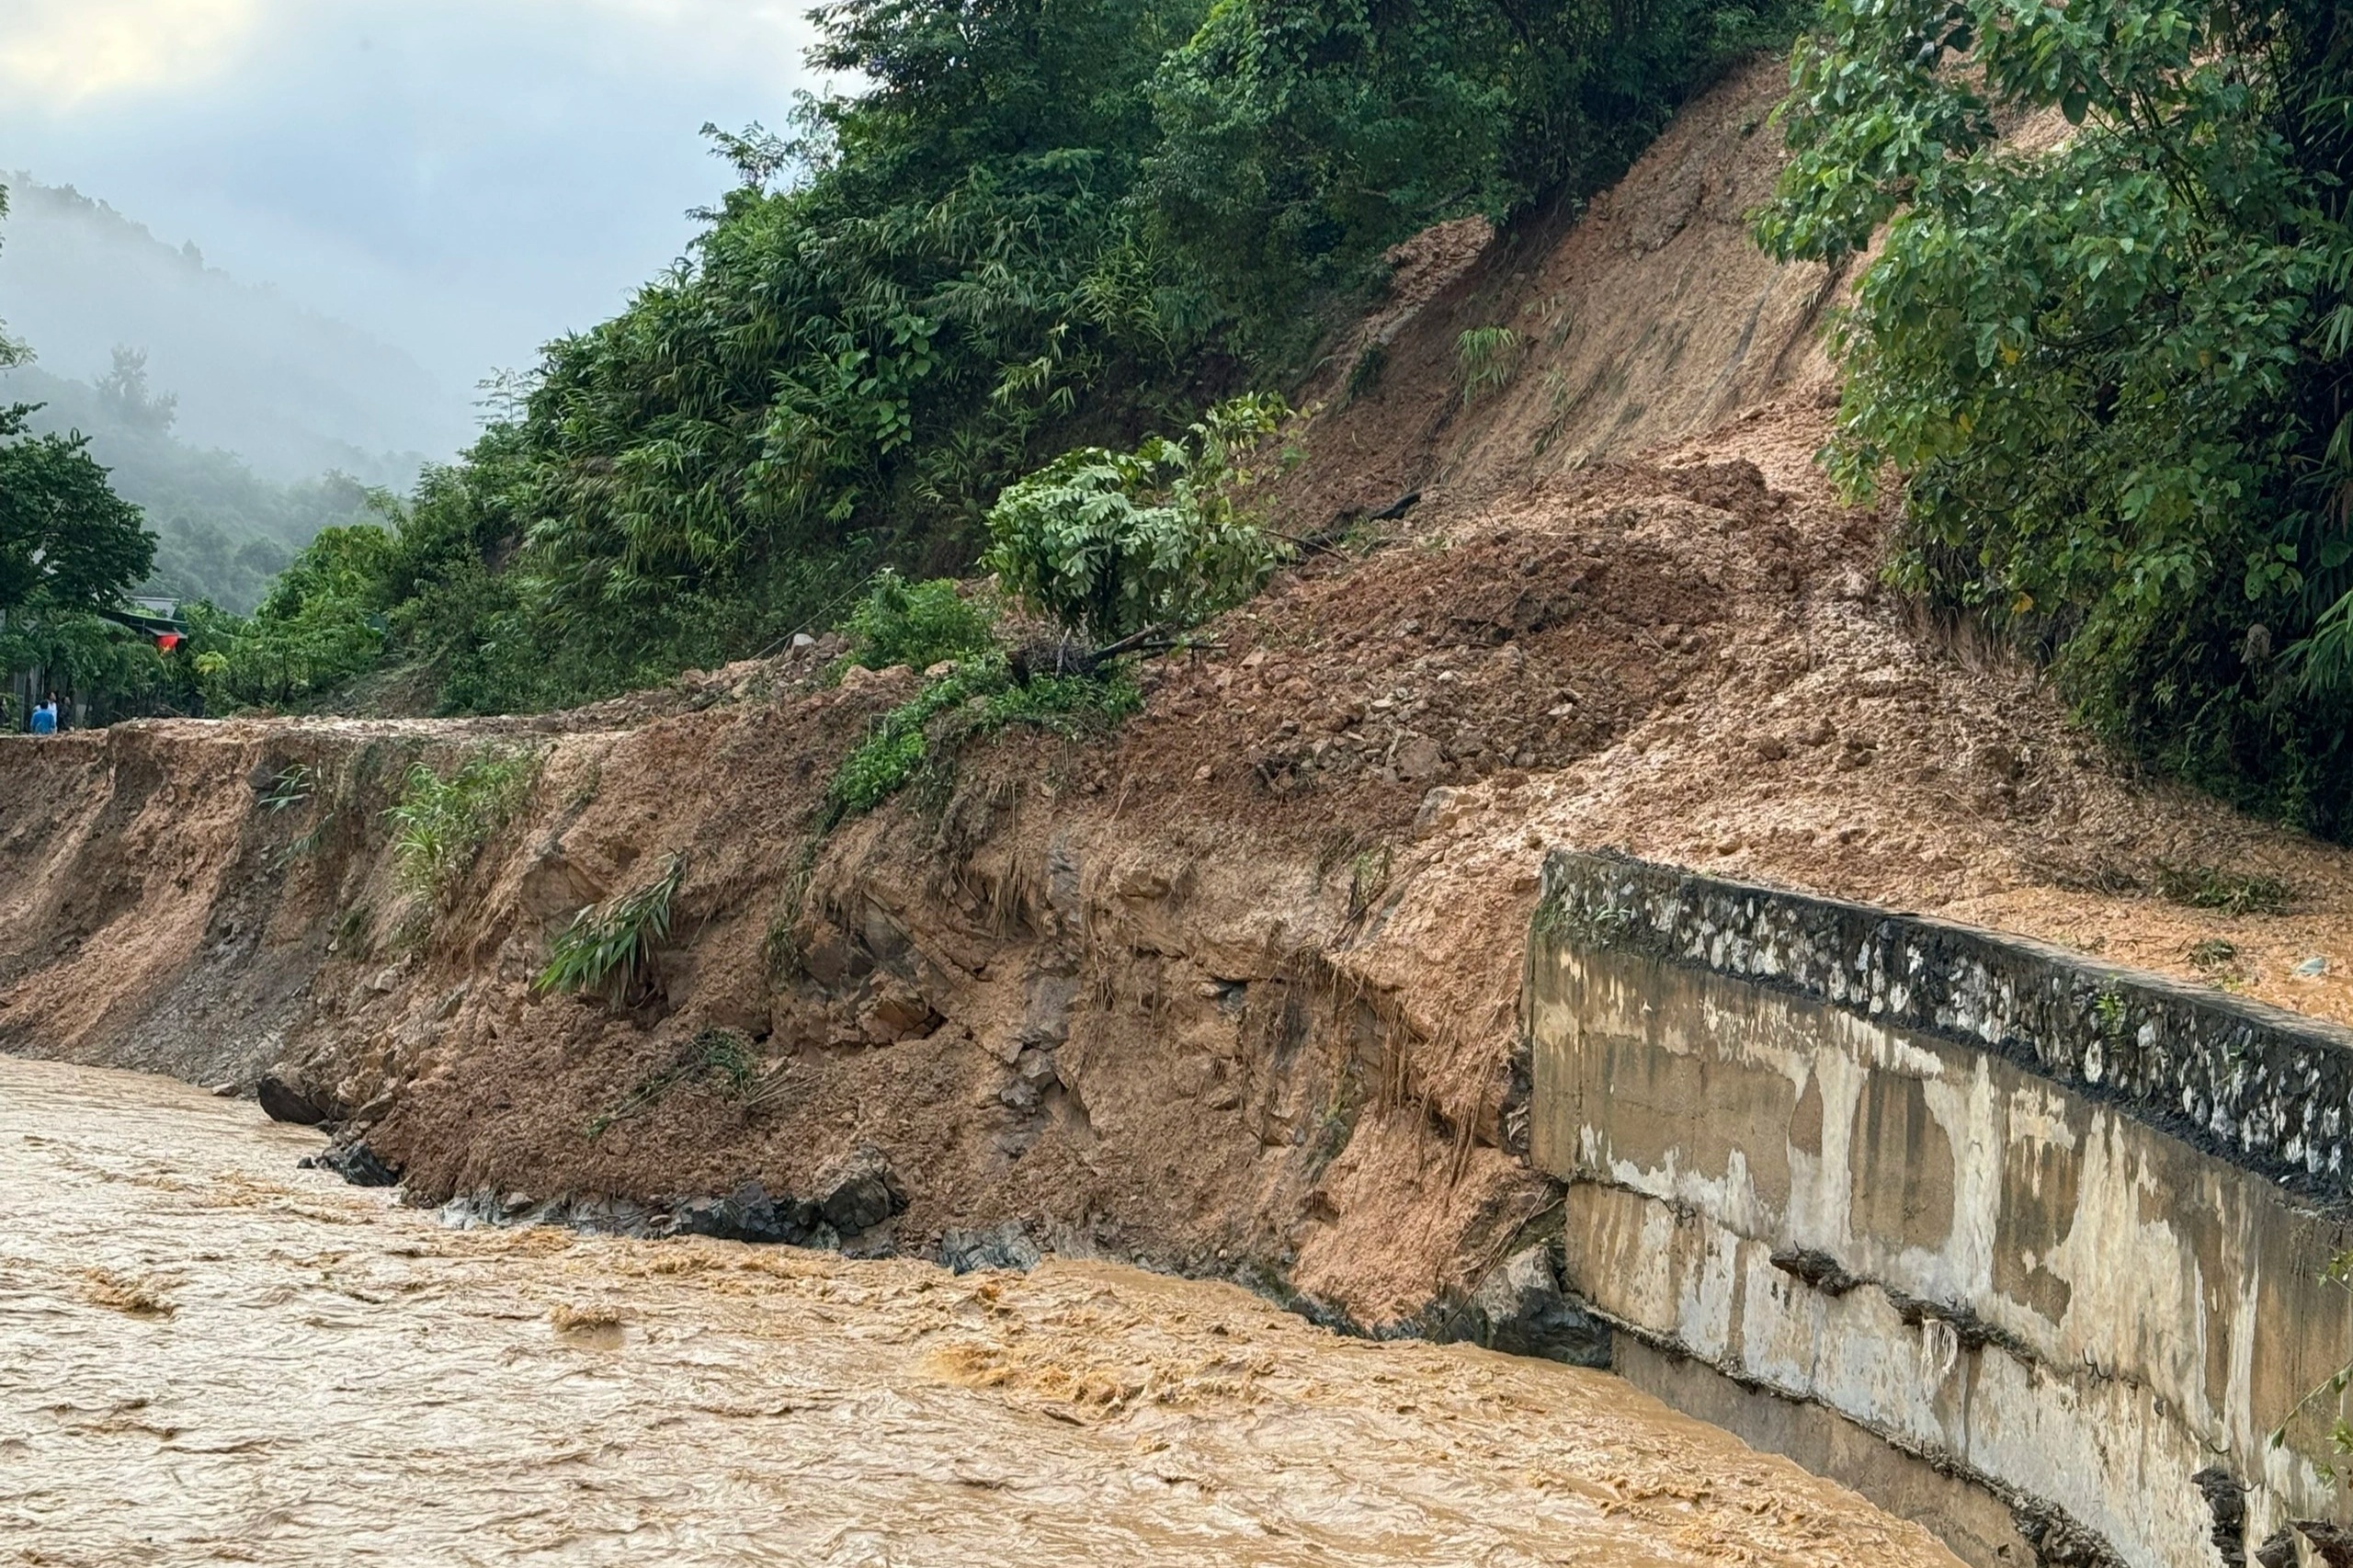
x,y
999,1247
750,1214
858,1191
1520,1310
354,1163
281,1101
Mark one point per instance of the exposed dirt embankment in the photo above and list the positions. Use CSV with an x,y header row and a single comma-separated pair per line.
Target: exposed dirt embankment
x,y
1236,990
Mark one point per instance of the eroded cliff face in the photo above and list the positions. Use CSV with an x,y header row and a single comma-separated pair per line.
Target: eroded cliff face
x,y
1053,999
1234,989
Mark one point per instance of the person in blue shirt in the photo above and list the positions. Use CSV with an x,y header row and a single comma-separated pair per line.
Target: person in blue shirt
x,y
45,718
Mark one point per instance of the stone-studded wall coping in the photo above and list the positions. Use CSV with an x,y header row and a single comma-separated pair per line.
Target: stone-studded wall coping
x,y
2265,1088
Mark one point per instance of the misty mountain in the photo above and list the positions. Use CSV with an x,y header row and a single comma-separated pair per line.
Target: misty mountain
x,y
221,530
240,422
292,392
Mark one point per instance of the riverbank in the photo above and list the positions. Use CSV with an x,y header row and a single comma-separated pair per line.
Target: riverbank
x,y
206,1355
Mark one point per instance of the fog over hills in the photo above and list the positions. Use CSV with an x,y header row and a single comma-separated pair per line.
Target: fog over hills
x,y
292,392
240,422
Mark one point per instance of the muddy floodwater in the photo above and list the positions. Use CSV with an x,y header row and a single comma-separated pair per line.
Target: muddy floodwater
x,y
208,1356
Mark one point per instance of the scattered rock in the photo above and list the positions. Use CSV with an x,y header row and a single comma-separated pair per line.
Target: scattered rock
x,y
1418,758
1997,761
802,639
897,1011
2332,1544
750,1214
281,1101
1816,1267
1437,809
224,1091
1520,1311
858,676
860,1190
999,1247
1769,748
354,1163
2226,1499
2311,968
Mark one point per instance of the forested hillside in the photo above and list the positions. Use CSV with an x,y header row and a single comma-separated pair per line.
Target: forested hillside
x,y
222,531
2109,368
1030,227
2099,360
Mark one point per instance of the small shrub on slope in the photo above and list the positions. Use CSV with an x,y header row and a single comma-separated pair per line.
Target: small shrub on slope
x,y
609,950
977,700
440,825
916,624
1109,543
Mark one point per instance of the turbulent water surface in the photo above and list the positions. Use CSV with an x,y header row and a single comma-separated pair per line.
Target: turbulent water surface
x,y
208,1356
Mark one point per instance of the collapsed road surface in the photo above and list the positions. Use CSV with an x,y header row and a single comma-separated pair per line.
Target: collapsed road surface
x,y
206,1355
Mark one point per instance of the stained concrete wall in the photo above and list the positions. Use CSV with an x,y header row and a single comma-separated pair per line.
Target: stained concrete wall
x,y
2041,1227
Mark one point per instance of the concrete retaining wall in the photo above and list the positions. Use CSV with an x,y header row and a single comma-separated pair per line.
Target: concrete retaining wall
x,y
2050,1230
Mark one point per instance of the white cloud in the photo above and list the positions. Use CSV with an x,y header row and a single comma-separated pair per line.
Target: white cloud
x,y
467,179
62,52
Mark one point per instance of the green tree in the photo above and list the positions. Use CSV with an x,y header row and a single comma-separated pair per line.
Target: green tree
x,y
321,624
11,351
1113,543
67,541
2109,373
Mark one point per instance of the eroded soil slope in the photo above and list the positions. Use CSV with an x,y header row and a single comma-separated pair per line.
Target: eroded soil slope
x,y
1233,990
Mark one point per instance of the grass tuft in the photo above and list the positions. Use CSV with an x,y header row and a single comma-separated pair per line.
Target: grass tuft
x,y
440,825
293,784
609,950
720,1055
1489,357
2210,887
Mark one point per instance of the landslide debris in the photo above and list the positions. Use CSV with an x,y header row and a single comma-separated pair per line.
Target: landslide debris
x,y
1233,990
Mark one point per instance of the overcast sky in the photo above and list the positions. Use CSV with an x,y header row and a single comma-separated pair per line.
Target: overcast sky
x,y
466,178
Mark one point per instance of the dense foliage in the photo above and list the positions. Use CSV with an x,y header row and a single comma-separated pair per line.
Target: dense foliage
x,y
69,548
1111,543
321,625
2110,369
1032,227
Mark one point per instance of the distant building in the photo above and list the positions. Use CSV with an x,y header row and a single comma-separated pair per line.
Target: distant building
x,y
158,619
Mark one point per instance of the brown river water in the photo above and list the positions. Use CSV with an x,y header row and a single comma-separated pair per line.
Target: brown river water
x,y
208,1356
